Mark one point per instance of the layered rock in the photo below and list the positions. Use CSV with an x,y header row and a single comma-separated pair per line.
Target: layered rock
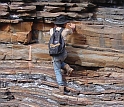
x,y
94,43
95,51
76,56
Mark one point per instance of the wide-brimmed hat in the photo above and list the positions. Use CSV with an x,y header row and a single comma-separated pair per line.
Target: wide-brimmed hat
x,y
61,20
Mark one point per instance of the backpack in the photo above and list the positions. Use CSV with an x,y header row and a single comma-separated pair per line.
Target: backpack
x,y
56,43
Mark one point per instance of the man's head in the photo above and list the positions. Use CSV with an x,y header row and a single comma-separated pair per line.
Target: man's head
x,y
61,20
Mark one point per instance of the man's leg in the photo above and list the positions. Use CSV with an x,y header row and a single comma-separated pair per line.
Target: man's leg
x,y
57,69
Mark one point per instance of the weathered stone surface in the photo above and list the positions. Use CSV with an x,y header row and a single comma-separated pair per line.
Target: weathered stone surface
x,y
10,21
77,56
78,9
4,13
18,8
53,9
42,26
14,33
53,15
101,36
94,58
38,83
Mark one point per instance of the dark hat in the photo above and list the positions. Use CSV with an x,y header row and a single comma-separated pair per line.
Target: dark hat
x,y
61,20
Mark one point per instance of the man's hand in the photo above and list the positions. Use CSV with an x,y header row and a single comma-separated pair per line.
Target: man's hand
x,y
71,25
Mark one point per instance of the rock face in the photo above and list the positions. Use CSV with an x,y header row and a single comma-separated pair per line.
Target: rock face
x,y
95,51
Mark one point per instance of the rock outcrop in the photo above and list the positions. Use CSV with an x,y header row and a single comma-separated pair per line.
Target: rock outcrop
x,y
95,51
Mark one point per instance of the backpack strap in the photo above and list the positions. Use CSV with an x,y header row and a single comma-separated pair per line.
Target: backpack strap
x,y
60,31
54,29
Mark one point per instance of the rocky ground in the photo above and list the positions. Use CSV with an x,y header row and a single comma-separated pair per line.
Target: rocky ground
x,y
34,86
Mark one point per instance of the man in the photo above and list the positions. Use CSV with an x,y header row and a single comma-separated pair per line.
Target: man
x,y
58,61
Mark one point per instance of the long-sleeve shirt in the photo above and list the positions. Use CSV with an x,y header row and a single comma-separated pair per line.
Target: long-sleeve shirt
x,y
65,32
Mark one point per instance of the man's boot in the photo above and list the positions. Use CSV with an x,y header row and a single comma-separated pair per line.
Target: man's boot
x,y
68,69
61,89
